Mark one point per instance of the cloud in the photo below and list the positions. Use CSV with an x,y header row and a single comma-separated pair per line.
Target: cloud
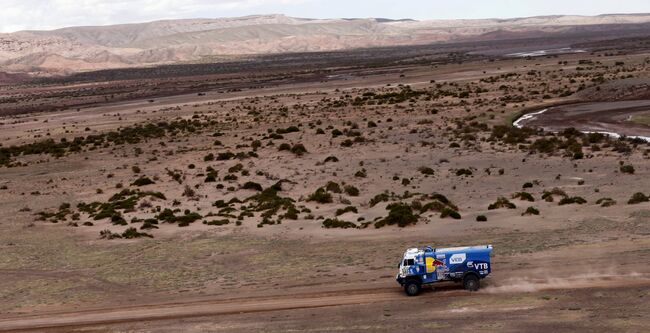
x,y
51,14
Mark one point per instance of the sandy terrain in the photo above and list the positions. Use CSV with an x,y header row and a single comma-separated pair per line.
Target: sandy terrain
x,y
219,180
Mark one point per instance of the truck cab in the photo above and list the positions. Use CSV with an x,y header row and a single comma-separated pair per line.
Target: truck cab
x,y
425,266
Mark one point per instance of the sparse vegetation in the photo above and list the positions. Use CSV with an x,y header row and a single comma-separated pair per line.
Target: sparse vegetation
x,y
638,198
502,203
399,214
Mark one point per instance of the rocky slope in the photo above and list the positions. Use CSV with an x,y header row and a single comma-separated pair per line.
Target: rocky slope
x,y
89,48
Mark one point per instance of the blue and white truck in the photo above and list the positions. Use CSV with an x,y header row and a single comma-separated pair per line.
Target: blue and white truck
x,y
420,267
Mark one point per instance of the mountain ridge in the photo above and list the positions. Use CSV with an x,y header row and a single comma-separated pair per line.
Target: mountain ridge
x,y
74,49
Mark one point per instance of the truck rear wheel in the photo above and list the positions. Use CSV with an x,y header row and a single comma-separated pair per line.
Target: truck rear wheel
x,y
471,282
412,287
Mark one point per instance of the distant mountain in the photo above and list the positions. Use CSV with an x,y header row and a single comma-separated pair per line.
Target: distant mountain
x,y
129,45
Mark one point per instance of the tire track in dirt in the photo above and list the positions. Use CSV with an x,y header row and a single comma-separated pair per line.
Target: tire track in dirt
x,y
220,307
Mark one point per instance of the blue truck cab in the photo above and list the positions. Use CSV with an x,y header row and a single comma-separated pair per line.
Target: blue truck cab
x,y
468,265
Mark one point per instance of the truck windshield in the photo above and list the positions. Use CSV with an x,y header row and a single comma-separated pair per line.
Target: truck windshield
x,y
409,262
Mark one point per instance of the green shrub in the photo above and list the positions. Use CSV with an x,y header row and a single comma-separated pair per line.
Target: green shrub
x,y
548,195
284,146
525,196
572,200
347,209
638,198
236,168
225,156
269,202
298,149
331,159
131,233
290,129
266,221
400,214
291,214
448,212
320,196
107,234
230,178
502,203
351,190
142,181
531,211
463,172
347,143
481,218
252,186
217,222
627,169
383,197
361,173
335,223
333,187
606,202
426,171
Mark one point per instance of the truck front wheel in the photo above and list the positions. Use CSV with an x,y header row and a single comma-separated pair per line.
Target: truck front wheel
x,y
412,287
471,282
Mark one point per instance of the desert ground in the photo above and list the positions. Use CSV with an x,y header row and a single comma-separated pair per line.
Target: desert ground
x,y
281,199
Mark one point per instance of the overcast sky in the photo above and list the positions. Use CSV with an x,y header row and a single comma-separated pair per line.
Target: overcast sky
x,y
51,14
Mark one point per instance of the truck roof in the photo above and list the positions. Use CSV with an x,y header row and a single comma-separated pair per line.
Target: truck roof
x,y
463,249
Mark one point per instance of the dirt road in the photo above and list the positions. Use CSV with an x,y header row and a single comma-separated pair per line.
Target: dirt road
x,y
235,306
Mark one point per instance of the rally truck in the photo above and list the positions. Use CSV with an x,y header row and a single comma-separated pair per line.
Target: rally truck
x,y
467,265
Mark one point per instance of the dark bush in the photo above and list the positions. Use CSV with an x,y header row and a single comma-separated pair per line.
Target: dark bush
x,y
572,200
217,222
481,218
638,198
335,223
400,214
351,190
252,186
333,187
502,203
525,196
142,181
347,209
426,171
383,197
627,169
320,196
448,212
606,202
131,233
531,211
298,149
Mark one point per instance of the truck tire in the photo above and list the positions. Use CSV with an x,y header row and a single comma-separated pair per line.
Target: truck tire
x,y
412,287
471,282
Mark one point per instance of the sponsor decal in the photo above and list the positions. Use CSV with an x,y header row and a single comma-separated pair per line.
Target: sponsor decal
x,y
457,258
483,266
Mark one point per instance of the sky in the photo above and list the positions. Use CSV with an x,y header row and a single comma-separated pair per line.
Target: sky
x,y
51,14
